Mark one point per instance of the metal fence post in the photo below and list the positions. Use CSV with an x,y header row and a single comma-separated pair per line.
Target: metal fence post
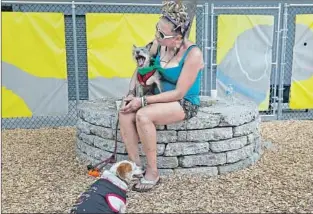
x,y
212,46
206,24
203,50
278,30
75,52
283,63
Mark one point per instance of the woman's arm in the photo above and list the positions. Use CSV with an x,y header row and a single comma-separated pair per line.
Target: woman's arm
x,y
132,84
154,48
192,65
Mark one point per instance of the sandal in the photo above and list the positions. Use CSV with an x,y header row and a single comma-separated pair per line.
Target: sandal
x,y
145,185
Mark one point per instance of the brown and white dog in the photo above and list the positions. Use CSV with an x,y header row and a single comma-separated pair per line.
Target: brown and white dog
x,y
108,193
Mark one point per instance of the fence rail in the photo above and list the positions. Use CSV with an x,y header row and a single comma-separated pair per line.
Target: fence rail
x,y
206,36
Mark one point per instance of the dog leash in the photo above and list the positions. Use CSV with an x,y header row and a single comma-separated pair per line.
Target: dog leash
x,y
94,170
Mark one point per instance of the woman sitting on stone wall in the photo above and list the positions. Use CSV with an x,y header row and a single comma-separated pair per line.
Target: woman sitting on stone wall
x,y
179,100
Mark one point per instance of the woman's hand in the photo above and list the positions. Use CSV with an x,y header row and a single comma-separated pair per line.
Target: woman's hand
x,y
132,104
127,97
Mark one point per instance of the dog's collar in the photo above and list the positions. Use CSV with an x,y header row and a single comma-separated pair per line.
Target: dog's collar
x,y
145,70
114,179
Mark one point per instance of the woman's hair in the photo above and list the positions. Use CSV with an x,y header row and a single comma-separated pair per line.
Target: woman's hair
x,y
176,13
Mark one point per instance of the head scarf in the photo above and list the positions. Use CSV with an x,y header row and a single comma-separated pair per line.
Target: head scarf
x,y
177,14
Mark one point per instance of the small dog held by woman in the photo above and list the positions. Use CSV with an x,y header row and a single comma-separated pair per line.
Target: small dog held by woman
x,y
108,193
148,75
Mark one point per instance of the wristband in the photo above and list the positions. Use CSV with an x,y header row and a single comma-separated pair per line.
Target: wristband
x,y
142,102
145,102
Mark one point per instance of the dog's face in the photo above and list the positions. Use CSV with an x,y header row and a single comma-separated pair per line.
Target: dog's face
x,y
142,55
124,170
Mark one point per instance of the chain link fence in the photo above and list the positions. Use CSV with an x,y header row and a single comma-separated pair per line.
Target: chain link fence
x,y
75,38
244,9
288,40
52,121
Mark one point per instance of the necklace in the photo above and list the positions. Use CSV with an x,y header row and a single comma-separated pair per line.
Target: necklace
x,y
166,62
176,52
165,56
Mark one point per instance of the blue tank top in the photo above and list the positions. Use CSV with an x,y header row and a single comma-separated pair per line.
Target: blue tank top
x,y
170,77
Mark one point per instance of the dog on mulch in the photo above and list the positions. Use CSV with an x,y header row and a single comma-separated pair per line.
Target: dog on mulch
x,y
108,193
148,73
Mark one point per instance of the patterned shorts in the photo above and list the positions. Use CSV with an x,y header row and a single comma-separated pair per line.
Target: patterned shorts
x,y
190,109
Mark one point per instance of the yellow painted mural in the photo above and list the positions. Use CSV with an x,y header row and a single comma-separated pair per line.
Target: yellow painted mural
x,y
13,105
35,41
110,38
301,90
34,71
232,26
244,56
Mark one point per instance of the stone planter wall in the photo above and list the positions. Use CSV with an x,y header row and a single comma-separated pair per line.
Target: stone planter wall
x,y
224,137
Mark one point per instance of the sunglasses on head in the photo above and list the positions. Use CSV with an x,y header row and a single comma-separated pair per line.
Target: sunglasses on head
x,y
161,35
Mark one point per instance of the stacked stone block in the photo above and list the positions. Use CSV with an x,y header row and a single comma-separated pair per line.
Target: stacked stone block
x,y
222,138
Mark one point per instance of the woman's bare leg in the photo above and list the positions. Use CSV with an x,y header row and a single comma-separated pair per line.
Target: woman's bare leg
x,y
146,119
130,136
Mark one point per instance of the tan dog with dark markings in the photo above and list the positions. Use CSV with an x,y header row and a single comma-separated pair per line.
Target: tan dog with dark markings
x,y
149,76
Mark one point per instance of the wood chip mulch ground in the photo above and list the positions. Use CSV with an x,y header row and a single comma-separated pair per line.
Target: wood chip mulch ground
x,y
40,174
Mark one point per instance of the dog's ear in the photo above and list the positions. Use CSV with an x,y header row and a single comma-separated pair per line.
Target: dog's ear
x,y
123,170
148,46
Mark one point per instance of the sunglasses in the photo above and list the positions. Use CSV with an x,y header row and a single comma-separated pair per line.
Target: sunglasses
x,y
161,35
